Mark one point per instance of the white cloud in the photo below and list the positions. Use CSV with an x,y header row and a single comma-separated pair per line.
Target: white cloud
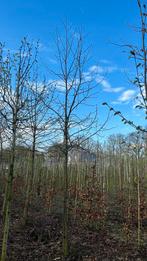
x,y
127,95
87,76
107,86
60,84
105,69
97,73
94,73
96,69
110,69
117,89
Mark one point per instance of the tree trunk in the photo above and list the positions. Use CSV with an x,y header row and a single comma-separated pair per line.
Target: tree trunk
x,y
8,200
65,208
30,182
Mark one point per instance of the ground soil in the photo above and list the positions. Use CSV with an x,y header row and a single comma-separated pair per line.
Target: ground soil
x,y
41,238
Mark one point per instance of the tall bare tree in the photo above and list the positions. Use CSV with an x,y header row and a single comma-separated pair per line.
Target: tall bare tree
x,y
14,77
38,129
73,89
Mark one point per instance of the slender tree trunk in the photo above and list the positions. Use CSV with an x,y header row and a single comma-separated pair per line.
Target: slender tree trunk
x,y
30,182
8,199
65,217
138,203
1,154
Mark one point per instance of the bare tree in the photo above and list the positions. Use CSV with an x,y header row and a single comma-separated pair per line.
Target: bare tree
x,y
139,56
14,77
73,89
38,129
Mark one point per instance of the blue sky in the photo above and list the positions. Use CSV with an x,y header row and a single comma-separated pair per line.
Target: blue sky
x,y
104,23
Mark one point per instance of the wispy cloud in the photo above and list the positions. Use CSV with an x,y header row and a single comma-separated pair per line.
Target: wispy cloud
x,y
107,87
94,73
127,95
96,69
99,72
58,84
103,69
61,86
